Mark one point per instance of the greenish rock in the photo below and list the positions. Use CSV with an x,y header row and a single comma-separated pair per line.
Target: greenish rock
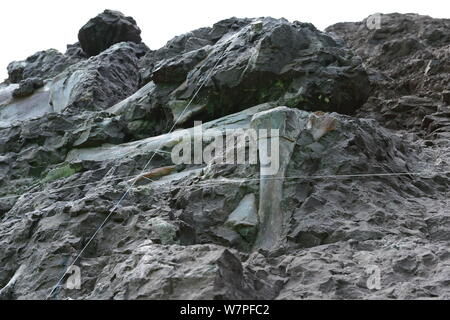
x,y
139,126
315,148
290,123
182,112
61,172
98,131
257,26
244,219
166,231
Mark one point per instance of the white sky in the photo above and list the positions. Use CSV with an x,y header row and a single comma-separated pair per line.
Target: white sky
x,y
33,25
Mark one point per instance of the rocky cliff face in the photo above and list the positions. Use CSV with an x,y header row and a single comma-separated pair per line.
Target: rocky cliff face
x,y
361,193
408,59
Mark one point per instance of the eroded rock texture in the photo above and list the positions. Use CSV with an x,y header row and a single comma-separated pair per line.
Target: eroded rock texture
x,y
239,63
408,59
361,186
43,64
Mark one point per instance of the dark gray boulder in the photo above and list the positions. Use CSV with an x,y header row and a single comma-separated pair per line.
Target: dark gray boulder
x,y
106,29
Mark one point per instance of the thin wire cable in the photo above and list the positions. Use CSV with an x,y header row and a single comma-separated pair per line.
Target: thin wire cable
x,y
75,186
311,177
135,179
318,177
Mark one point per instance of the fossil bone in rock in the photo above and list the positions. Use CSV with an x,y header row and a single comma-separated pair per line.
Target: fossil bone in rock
x,y
289,123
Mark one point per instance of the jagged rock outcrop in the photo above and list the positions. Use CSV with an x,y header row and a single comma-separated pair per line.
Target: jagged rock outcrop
x,y
106,29
100,81
239,63
42,64
68,112
408,60
88,85
350,195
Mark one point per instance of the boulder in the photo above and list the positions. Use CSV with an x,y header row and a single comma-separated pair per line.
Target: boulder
x,y
106,29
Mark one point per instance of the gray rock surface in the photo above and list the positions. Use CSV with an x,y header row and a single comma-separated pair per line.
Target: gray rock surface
x,y
42,64
408,62
356,196
101,81
244,219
